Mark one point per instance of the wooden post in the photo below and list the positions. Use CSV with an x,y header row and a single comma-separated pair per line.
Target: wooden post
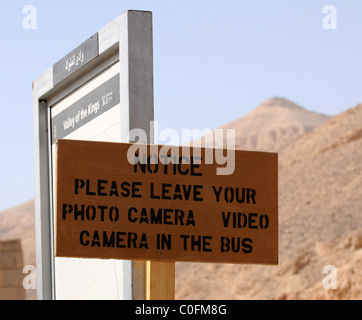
x,y
160,280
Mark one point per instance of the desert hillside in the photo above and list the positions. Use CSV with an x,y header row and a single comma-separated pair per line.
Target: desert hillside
x,y
19,223
320,208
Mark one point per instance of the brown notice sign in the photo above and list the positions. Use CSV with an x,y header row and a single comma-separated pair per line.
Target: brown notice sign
x,y
160,203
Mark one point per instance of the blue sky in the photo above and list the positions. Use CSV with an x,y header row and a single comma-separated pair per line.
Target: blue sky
x,y
214,61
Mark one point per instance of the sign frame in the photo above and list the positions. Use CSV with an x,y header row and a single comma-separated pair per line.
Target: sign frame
x,y
129,40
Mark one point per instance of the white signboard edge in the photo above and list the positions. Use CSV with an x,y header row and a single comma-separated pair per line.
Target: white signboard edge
x,y
136,56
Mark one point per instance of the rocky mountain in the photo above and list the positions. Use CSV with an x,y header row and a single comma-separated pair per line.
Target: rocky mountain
x,y
273,124
320,209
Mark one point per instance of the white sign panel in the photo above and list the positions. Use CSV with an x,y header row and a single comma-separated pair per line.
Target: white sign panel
x,y
91,113
97,92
